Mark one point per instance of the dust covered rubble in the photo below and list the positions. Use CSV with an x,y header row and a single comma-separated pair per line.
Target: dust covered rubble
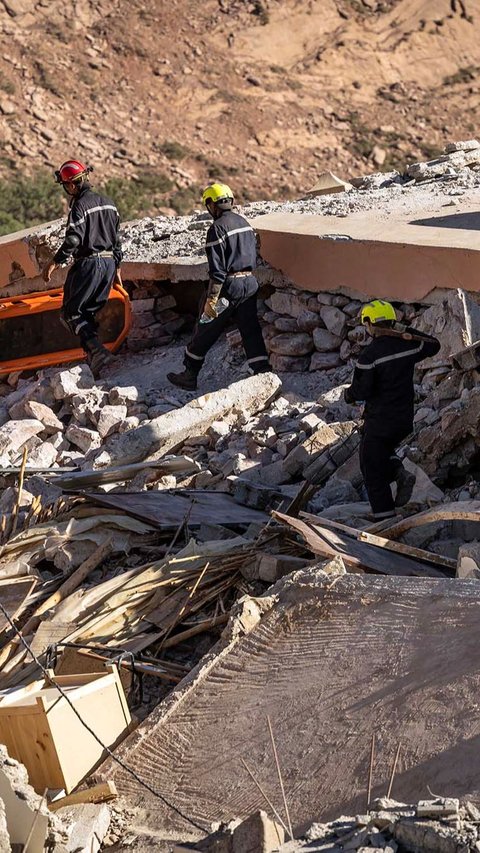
x,y
62,418
421,186
430,826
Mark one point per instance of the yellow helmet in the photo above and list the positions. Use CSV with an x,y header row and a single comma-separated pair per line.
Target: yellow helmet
x,y
377,311
218,193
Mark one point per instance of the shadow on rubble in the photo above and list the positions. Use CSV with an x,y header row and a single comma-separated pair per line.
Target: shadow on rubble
x,y
454,770
465,221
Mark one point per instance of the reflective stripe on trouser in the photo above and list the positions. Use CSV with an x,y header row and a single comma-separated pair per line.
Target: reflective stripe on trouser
x,y
86,291
245,318
380,467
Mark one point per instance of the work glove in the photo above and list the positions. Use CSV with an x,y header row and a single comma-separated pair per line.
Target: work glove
x,y
210,307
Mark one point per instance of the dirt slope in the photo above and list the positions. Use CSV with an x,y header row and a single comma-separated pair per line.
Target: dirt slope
x,y
264,94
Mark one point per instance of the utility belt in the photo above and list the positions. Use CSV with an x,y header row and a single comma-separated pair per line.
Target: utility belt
x,y
94,255
240,274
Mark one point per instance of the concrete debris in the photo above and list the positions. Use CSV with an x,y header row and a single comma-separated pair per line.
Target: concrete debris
x,y
328,183
172,429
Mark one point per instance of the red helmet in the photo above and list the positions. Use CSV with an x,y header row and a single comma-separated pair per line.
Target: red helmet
x,y
71,170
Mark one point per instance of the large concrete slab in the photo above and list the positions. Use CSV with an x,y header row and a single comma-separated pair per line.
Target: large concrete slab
x,y
398,257
332,661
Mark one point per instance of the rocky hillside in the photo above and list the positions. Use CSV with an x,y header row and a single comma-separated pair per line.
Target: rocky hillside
x,y
262,93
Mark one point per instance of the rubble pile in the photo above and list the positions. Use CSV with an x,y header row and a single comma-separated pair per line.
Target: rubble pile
x,y
190,546
432,826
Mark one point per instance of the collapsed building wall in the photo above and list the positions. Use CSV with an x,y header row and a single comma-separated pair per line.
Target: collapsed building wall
x,y
333,661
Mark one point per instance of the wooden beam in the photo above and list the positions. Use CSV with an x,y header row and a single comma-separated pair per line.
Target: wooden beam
x,y
381,542
101,793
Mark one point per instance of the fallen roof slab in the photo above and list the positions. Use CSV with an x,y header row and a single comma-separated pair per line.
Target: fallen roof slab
x,y
391,257
332,661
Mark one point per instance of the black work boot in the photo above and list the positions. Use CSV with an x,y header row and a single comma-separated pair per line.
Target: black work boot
x,y
98,356
405,481
186,380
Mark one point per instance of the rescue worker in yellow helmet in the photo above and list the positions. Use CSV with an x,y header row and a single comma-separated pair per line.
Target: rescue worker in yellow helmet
x,y
383,380
232,289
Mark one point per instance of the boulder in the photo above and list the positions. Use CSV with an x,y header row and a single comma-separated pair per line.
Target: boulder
x,y
307,321
291,344
286,324
334,319
325,341
325,360
123,396
289,364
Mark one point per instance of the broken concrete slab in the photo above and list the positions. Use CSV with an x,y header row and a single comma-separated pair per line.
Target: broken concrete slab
x,y
5,846
24,809
88,826
172,429
258,834
331,663
327,183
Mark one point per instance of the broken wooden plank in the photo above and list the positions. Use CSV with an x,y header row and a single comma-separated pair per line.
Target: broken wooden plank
x,y
71,584
381,542
14,592
454,511
166,510
356,554
101,793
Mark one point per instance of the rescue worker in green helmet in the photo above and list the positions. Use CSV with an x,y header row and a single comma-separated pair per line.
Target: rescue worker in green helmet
x,y
383,380
232,289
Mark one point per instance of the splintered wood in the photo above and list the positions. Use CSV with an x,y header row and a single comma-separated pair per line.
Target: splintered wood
x,y
131,610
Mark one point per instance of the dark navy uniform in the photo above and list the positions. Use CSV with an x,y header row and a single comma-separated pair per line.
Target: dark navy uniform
x,y
232,256
92,239
383,379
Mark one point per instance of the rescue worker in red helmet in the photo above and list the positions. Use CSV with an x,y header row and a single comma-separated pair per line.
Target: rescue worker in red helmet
x,y
383,380
92,240
232,256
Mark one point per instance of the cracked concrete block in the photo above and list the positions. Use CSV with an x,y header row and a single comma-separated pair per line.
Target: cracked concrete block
x,y
258,834
66,383
88,826
5,846
82,437
111,419
14,434
22,805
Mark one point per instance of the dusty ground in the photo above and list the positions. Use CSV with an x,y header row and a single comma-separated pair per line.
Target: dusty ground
x,y
265,93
